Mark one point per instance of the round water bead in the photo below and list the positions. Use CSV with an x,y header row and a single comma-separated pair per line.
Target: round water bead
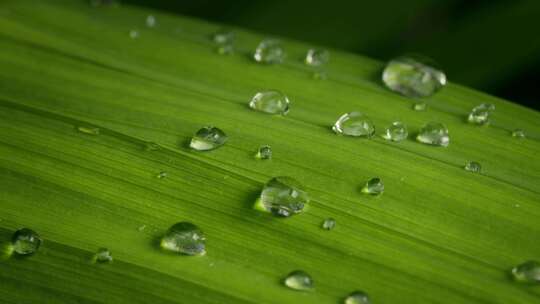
x,y
282,196
413,76
103,255
269,51
299,280
264,152
354,124
271,102
25,241
184,238
528,272
317,57
208,138
357,297
518,133
434,133
480,114
473,166
373,186
397,131
329,224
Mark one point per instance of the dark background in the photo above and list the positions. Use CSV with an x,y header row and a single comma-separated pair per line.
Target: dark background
x,y
491,45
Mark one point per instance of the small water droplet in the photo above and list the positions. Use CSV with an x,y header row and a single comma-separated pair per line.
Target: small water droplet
x,y
271,102
518,133
528,272
373,186
150,21
329,224
480,114
269,51
473,166
264,152
141,228
282,196
162,175
88,130
397,131
103,255
354,124
184,238
434,133
357,297
299,280
208,138
133,34
413,76
420,106
317,57
25,241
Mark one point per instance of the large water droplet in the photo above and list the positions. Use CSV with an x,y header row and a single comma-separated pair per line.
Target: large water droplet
x,y
88,130
480,114
397,131
434,133
299,280
528,272
184,238
473,166
354,124
150,21
271,102
413,76
103,255
264,152
269,51
329,224
208,138
373,186
317,57
357,297
25,241
282,196
518,133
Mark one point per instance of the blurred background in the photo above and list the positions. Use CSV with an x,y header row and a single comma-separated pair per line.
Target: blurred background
x,y
490,45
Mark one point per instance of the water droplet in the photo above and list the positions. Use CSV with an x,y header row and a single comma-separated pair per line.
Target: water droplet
x,y
473,166
357,297
25,241
397,131
354,124
103,255
329,223
413,76
480,114
373,186
264,152
434,133
223,37
317,57
271,102
528,272
184,238
299,280
133,34
518,133
282,196
208,138
88,130
420,106
269,51
162,175
150,21
141,228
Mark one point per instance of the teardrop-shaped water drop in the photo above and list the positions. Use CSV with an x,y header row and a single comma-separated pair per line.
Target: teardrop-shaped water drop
x,y
357,297
271,102
264,152
269,51
25,241
103,255
329,224
317,57
208,138
480,114
473,166
184,238
282,196
528,272
397,131
354,124
434,133
518,133
373,186
413,76
299,280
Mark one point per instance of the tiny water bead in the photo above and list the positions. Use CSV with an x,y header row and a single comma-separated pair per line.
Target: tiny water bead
x,y
25,241
413,76
473,166
528,272
103,255
88,130
184,238
373,186
354,124
518,133
208,138
434,133
299,280
271,102
150,21
397,131
329,224
162,175
133,34
317,57
282,196
269,51
357,297
480,114
420,106
264,152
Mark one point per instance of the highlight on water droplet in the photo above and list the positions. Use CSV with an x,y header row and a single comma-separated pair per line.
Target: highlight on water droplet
x,y
397,132
518,133
480,114
271,102
88,130
282,196
473,166
184,238
373,186
357,297
329,224
25,241
103,255
434,133
269,51
150,21
162,175
420,106
317,57
208,138
264,152
133,34
354,124
413,76
299,280
527,272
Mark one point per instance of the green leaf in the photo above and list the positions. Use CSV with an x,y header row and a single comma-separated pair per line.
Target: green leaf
x,y
439,234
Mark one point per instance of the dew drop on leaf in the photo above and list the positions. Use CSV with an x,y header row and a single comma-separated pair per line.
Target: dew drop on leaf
x,y
473,166
25,241
528,272
269,51
354,124
103,255
271,102
329,224
208,138
480,114
299,280
184,238
434,133
357,297
264,152
397,131
282,196
373,186
317,57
